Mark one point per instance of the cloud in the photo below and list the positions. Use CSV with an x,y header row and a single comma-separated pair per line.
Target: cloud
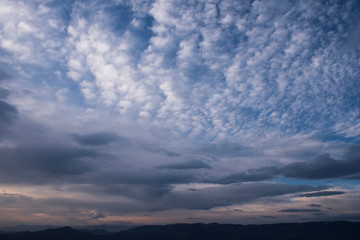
x,y
4,93
8,112
4,75
43,163
300,210
208,198
229,71
314,205
322,167
261,174
321,194
208,94
142,176
208,65
153,148
93,214
98,139
204,199
227,149
354,39
271,217
193,164
134,191
327,167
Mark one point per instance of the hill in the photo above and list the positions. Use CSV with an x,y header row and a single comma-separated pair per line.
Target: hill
x,y
294,231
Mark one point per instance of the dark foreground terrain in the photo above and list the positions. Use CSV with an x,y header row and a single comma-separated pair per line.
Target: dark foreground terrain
x,y
315,230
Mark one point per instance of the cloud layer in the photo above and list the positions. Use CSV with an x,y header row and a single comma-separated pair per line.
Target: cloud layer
x,y
151,112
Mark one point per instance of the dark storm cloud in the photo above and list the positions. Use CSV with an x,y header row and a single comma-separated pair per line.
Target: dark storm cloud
x,y
322,167
249,176
322,193
98,139
314,205
300,210
37,163
193,164
271,217
327,167
8,112
142,176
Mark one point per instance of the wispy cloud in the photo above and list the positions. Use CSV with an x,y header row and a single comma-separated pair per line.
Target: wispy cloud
x,y
321,194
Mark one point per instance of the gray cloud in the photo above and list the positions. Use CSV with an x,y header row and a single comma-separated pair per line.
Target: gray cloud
x,y
249,176
153,148
354,39
200,200
42,163
142,176
300,210
314,205
192,164
219,75
327,167
4,75
322,167
98,139
228,195
227,149
7,112
4,93
320,194
150,192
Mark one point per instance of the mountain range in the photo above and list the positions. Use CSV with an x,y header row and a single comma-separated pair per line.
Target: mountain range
x,y
199,231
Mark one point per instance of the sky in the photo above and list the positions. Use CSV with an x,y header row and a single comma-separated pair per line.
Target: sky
x,y
157,112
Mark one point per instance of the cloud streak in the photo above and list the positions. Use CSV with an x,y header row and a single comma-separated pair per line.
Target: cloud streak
x,y
322,167
321,194
194,164
98,139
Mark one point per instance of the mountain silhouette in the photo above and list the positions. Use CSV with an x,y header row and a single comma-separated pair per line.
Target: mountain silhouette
x,y
64,233
213,231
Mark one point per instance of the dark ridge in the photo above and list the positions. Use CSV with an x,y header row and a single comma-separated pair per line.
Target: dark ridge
x,y
106,227
55,234
95,231
213,231
312,230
